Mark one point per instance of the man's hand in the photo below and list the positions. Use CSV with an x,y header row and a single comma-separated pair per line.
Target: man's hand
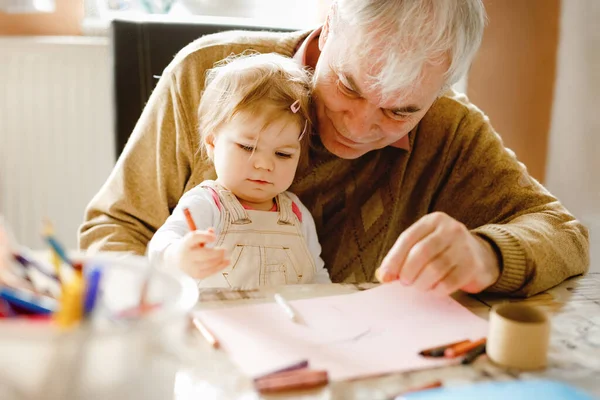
x,y
439,254
191,256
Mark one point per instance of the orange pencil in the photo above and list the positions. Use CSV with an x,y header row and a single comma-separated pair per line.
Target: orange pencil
x,y
464,348
189,219
210,338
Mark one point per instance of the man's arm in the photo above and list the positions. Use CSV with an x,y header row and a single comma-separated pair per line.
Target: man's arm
x,y
148,179
538,243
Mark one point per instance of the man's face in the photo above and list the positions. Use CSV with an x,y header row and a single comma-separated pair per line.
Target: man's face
x,y
353,119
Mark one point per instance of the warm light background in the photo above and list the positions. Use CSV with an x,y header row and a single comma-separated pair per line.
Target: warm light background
x,y
65,21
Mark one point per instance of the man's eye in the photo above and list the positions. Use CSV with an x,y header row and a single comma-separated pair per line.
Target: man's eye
x,y
246,148
283,155
345,89
397,115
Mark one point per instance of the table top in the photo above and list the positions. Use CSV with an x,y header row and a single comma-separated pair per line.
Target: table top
x,y
574,355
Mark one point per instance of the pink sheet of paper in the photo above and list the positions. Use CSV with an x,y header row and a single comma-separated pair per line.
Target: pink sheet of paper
x,y
373,332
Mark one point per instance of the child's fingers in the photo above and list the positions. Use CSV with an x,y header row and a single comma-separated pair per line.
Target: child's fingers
x,y
217,267
198,238
204,269
224,264
207,255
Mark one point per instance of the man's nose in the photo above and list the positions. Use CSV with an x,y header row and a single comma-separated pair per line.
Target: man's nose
x,y
361,121
262,161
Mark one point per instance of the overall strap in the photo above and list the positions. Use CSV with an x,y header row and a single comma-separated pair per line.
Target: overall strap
x,y
232,205
286,214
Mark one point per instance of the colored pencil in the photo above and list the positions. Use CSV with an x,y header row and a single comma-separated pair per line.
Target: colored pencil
x,y
28,262
189,219
28,301
206,333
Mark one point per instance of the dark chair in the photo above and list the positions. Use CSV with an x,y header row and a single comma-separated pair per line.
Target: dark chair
x,y
140,51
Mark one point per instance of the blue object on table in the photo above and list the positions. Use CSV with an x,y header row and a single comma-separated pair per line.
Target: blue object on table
x,y
28,302
512,390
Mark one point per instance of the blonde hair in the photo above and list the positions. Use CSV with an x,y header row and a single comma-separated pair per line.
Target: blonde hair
x,y
253,82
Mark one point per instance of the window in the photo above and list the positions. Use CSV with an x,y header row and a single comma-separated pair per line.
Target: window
x,y
27,6
298,14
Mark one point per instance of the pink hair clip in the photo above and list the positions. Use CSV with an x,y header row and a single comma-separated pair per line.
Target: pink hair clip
x,y
295,106
303,130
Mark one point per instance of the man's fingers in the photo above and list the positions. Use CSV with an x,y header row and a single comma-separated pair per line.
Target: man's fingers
x,y
456,278
433,272
393,262
430,248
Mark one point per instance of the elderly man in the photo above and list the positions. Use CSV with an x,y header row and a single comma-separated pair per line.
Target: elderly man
x,y
403,173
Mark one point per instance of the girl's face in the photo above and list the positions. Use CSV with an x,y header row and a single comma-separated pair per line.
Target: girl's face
x,y
256,156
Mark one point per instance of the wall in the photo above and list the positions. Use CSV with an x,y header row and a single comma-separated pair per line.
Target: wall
x,y
573,172
512,77
56,133
66,20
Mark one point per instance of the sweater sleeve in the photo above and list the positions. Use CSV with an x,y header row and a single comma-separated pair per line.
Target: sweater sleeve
x,y
538,242
310,235
147,180
204,212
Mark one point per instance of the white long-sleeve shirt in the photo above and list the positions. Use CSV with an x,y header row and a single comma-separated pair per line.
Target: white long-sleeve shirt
x,y
206,214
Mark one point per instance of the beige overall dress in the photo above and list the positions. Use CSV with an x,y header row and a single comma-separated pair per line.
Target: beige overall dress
x,y
265,248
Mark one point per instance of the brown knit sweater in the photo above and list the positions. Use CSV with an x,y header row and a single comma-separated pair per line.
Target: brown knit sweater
x,y
456,164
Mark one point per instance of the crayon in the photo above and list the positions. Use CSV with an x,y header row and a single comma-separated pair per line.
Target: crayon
x,y
438,351
461,349
292,380
286,307
294,367
473,354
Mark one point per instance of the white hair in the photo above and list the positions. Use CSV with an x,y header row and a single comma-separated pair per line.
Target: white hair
x,y
399,37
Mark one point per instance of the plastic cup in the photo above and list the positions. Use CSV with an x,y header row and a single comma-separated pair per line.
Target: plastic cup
x,y
109,357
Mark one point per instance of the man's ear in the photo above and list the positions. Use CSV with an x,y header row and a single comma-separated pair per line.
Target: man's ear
x,y
327,26
209,145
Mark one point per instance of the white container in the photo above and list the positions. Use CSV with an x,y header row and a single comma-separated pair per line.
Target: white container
x,y
122,359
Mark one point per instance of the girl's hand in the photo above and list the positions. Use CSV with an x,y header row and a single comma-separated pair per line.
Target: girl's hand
x,y
192,257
